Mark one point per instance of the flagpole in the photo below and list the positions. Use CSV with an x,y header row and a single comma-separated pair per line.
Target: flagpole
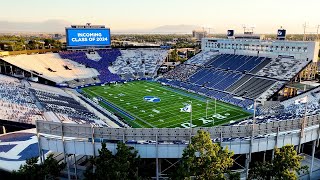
x,y
305,112
190,121
254,111
215,106
215,110
207,110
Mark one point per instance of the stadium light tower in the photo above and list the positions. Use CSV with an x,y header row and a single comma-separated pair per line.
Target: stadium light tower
x,y
248,29
244,28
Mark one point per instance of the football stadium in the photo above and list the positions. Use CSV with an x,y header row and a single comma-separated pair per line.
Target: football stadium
x,y
242,89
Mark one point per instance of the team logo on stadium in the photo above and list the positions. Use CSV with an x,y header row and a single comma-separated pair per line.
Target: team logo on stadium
x,y
151,99
19,149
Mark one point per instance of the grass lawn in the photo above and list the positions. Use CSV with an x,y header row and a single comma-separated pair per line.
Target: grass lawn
x,y
151,105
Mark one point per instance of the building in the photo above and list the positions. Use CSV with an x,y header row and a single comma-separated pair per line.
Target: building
x,y
199,34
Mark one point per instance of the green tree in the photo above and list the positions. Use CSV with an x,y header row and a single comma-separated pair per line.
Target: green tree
x,y
125,164
203,159
50,169
285,165
174,55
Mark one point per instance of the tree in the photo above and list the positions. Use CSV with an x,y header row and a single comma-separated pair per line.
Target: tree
x,y
203,159
125,164
285,165
174,55
50,169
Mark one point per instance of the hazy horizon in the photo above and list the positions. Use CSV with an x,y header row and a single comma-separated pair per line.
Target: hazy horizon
x,y
145,15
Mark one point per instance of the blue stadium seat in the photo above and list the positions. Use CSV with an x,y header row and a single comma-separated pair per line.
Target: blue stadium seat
x,y
107,57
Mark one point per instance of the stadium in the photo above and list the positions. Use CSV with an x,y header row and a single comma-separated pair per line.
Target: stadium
x,y
241,89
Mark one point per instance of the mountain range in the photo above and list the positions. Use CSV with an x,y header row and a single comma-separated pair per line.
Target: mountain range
x,y
58,26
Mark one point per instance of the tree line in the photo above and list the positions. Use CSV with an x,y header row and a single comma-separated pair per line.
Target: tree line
x,y
20,43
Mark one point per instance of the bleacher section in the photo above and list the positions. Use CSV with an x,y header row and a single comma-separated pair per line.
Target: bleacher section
x,y
235,62
139,63
202,57
254,87
290,109
270,108
107,58
239,75
46,88
283,68
15,102
66,108
25,102
213,78
50,66
182,72
272,90
297,105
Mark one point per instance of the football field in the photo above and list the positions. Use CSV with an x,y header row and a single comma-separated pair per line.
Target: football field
x,y
152,105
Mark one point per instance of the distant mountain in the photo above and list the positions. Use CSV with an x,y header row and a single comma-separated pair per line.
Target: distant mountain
x,y
175,29
45,26
58,26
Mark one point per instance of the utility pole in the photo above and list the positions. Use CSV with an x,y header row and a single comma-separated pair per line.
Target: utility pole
x,y
304,31
318,32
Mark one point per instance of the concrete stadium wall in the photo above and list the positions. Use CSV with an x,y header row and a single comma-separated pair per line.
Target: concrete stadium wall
x,y
80,139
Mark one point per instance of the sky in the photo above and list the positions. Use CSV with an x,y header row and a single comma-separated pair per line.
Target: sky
x,y
265,15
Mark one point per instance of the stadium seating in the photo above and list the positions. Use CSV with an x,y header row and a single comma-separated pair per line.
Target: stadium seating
x,y
229,73
16,103
66,108
52,67
216,79
290,109
254,87
139,63
25,102
273,89
182,72
235,62
202,57
107,58
297,107
283,68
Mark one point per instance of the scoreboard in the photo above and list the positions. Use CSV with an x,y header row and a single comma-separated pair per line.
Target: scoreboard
x,y
88,37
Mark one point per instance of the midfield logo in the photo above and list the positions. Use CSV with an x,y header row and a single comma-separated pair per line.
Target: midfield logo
x,y
151,99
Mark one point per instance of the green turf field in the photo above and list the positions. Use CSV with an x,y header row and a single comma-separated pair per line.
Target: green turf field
x,y
129,98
